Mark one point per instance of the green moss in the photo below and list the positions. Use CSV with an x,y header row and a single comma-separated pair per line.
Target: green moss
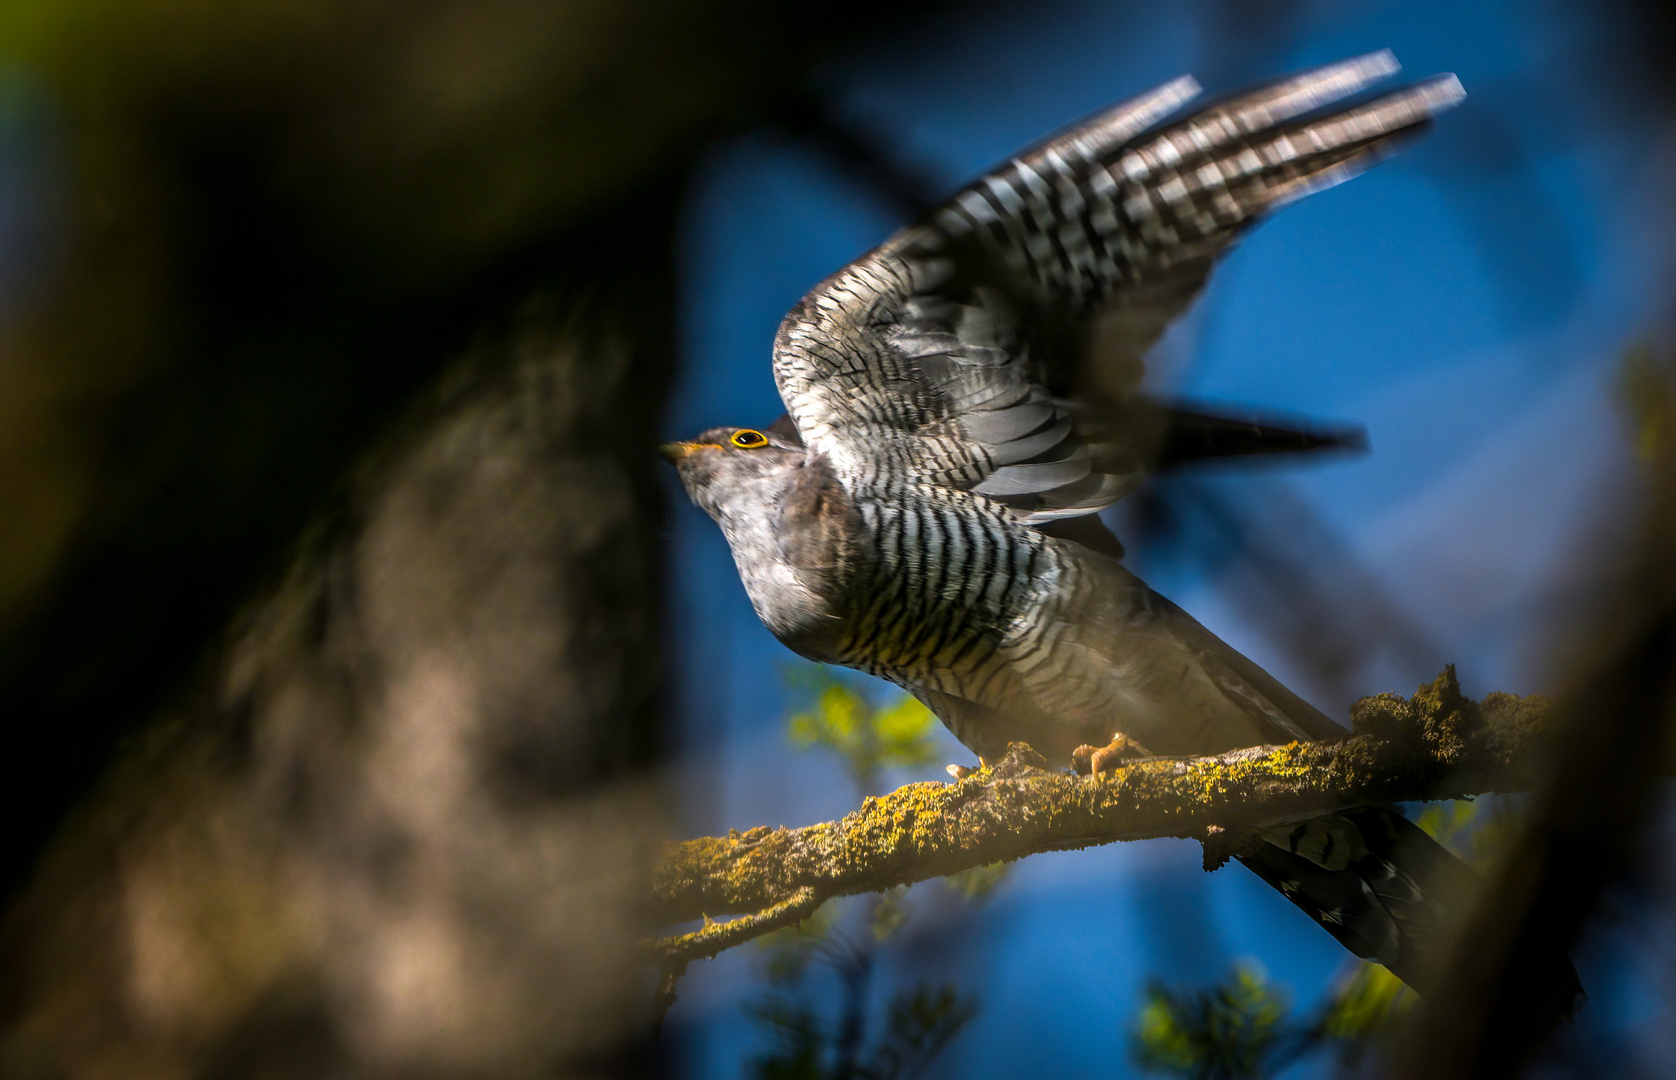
x,y
1016,806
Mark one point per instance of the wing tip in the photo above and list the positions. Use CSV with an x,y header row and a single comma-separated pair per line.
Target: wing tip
x,y
1093,135
1404,110
1361,70
1378,64
1182,89
1440,92
1294,95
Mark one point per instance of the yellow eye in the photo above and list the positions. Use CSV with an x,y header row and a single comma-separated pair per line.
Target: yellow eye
x,y
746,439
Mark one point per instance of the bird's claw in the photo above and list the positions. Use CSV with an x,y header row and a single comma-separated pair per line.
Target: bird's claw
x,y
961,772
1094,760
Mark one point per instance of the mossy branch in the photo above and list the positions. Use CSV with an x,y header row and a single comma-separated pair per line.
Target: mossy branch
x,y
1437,745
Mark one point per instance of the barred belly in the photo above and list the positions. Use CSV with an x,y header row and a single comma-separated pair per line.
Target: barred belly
x,y
948,580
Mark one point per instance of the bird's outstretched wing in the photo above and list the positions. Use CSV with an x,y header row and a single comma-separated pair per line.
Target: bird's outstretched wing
x,y
948,355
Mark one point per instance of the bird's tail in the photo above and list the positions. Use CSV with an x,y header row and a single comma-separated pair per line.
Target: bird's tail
x,y
1379,884
1374,880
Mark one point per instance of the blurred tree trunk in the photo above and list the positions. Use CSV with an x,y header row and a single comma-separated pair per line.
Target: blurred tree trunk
x,y
1507,986
398,820
405,832
1590,823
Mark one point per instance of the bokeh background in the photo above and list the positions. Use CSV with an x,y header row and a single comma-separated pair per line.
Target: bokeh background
x,y
356,651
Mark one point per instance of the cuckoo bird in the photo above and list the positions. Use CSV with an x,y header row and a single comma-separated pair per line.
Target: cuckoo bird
x,y
963,400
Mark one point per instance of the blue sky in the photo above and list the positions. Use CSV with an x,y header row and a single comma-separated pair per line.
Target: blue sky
x,y
1468,301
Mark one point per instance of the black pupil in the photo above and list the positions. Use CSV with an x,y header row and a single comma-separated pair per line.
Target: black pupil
x,y
748,438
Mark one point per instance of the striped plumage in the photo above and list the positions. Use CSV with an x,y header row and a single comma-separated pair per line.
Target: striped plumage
x,y
954,353
963,397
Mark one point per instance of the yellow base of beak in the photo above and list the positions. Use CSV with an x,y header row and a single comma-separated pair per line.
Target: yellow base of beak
x,y
680,451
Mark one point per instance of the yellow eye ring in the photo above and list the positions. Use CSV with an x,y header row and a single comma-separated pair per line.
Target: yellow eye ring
x,y
746,439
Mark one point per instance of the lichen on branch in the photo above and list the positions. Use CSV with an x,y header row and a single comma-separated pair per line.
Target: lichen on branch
x,y
1436,745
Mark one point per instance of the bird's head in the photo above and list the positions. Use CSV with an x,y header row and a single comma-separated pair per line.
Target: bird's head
x,y
734,472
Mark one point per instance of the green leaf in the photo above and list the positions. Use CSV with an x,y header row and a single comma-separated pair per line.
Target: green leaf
x,y
888,914
1228,1032
905,734
1478,831
1366,1004
868,738
975,885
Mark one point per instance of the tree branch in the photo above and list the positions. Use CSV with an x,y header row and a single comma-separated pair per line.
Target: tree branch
x,y
1437,745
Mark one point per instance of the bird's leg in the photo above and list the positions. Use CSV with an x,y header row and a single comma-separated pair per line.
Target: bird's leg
x,y
961,772
1098,759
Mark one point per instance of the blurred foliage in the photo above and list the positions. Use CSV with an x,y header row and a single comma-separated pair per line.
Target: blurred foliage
x,y
977,884
889,914
921,1023
866,736
1243,1027
1648,391
1232,1030
1364,1005
810,1039
1477,830
788,951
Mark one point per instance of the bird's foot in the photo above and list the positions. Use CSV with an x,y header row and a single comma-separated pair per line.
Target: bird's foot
x,y
1098,759
961,772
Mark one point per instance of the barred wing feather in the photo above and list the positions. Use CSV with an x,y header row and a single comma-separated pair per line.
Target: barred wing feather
x,y
942,357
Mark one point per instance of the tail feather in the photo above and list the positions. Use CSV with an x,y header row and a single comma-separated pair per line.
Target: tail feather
x,y
1372,879
1377,883
1165,433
